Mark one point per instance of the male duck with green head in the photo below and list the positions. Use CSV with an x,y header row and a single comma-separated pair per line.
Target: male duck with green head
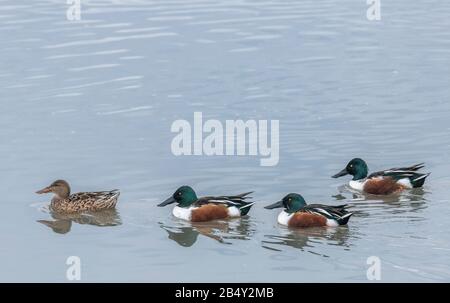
x,y
389,181
297,213
194,209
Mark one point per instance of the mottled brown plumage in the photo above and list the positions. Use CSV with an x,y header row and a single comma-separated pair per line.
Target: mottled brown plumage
x,y
65,202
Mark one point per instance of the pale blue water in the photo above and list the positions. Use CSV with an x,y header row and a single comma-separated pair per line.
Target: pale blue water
x,y
93,102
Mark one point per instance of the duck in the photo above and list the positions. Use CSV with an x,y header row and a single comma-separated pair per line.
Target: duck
x,y
65,202
191,208
386,182
297,213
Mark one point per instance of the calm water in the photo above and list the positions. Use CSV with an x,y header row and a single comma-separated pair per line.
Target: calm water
x,y
93,102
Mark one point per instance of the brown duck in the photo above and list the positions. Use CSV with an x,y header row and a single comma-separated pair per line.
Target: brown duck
x,y
63,201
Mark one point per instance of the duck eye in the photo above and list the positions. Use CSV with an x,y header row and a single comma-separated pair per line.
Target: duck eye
x,y
179,193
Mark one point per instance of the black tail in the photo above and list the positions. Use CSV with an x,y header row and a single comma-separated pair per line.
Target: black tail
x,y
418,180
344,219
344,214
246,208
238,201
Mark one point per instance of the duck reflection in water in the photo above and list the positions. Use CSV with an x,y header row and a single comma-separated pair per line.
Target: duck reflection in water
x,y
415,194
306,239
413,200
62,222
186,234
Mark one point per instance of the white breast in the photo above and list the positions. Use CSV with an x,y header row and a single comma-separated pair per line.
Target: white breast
x,y
233,211
358,185
184,213
283,218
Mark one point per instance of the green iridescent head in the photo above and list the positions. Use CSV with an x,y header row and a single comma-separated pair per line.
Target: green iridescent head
x,y
184,197
291,203
357,168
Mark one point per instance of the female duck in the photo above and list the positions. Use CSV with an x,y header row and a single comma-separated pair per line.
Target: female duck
x,y
63,201
297,213
194,209
390,181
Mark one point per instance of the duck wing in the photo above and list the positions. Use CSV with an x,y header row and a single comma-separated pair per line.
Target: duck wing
x,y
238,201
417,179
338,213
399,171
99,199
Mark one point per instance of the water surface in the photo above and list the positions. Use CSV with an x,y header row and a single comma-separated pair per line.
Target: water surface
x,y
93,102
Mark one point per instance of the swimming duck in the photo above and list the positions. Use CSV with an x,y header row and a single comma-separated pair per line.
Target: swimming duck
x,y
63,201
390,181
297,213
194,209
